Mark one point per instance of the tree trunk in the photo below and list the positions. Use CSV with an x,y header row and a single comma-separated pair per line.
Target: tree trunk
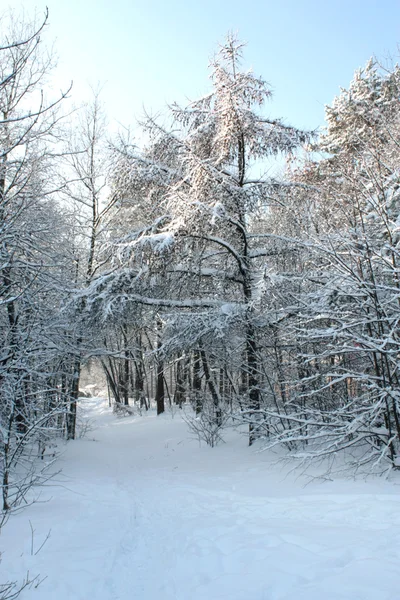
x,y
71,417
160,393
197,382
180,389
213,389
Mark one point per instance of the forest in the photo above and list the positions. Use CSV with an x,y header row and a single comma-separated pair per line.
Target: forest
x,y
191,277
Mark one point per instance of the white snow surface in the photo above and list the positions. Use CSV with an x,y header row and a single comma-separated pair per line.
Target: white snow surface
x,y
146,513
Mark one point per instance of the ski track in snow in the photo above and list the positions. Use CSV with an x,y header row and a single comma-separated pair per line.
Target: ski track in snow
x,y
144,513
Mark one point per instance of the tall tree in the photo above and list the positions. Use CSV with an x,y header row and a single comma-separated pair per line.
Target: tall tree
x,y
31,230
344,396
203,177
84,187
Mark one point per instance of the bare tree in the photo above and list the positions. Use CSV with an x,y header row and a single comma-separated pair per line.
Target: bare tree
x,y
31,231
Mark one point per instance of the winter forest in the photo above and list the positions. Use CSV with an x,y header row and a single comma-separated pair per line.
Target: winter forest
x,y
185,284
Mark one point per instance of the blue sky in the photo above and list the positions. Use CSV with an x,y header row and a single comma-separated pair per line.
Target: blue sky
x,y
147,53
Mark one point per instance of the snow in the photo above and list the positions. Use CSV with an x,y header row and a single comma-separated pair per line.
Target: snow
x,y
143,512
159,242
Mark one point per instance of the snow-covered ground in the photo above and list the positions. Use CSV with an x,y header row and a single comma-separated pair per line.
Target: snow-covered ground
x,y
144,513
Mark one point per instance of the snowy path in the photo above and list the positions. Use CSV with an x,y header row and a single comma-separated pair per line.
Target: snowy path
x,y
148,515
